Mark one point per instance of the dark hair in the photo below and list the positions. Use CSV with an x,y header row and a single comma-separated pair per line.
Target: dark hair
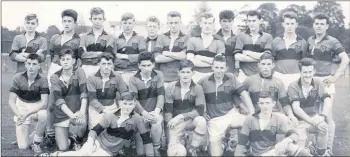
x,y
265,94
174,14
33,56
71,13
219,58
207,16
322,16
153,19
186,64
97,11
226,14
127,16
31,17
290,15
145,56
66,51
106,56
127,96
266,56
254,13
306,62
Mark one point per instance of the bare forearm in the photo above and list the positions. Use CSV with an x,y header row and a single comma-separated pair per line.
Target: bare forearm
x,y
288,110
327,105
244,58
163,59
344,63
255,55
204,59
302,115
83,105
13,107
200,64
67,111
175,55
248,101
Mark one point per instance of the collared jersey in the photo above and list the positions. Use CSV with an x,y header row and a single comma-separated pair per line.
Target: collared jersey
x,y
195,45
151,44
147,93
20,42
104,94
257,83
133,47
245,42
230,44
55,46
287,60
104,43
171,68
323,53
194,99
312,103
29,93
219,100
70,95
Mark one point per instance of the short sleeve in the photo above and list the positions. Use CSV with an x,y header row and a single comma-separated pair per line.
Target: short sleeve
x,y
142,44
268,45
239,44
44,86
15,87
337,48
190,46
293,93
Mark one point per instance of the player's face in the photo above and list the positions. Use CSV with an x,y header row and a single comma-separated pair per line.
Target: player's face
x,y
127,106
219,68
320,26
186,74
30,25
32,66
266,66
67,61
253,22
290,25
68,23
106,66
128,26
266,105
97,20
152,28
226,24
307,72
146,66
207,25
174,24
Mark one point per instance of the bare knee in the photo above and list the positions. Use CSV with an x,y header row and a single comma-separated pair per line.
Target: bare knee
x,y
200,122
42,116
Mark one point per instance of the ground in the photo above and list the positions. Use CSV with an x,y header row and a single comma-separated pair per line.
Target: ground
x,y
341,114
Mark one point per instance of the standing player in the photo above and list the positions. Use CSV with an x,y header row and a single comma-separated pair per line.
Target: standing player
x,y
113,132
148,86
250,46
28,100
202,49
70,101
323,48
259,133
152,27
95,42
221,112
27,43
104,89
288,49
171,48
129,45
183,110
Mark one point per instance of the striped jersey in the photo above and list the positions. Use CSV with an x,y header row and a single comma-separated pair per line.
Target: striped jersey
x,y
230,45
151,44
55,46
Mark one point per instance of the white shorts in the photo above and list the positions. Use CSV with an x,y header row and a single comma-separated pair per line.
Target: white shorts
x,y
52,69
90,69
199,75
22,108
287,78
241,76
330,89
63,124
88,150
95,117
217,126
126,75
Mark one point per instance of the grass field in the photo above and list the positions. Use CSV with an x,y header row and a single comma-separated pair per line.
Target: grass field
x,y
341,112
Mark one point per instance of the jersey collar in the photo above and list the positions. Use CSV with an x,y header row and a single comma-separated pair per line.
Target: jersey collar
x,y
268,77
248,32
138,74
98,74
220,33
179,84
121,36
212,78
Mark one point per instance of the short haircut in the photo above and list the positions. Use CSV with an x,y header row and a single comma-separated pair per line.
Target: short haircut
x,y
31,17
290,15
127,96
97,11
186,64
207,16
174,14
219,58
321,16
71,13
66,51
127,16
145,56
306,62
106,56
266,56
265,94
254,13
153,19
33,56
226,14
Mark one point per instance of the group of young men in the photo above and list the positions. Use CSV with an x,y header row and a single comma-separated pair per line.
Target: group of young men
x,y
189,89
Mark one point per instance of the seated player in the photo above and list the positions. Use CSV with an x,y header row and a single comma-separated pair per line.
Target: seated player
x,y
307,94
113,132
104,87
70,101
184,108
221,112
258,134
28,98
147,85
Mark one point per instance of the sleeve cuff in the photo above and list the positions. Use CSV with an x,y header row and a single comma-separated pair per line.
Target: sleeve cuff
x,y
240,89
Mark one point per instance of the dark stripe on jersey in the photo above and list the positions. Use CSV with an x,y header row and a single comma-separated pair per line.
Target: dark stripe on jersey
x,y
262,136
222,97
148,93
206,53
109,93
288,54
120,133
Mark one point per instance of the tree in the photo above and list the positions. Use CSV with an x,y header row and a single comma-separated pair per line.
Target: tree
x,y
304,17
51,31
203,7
268,12
333,10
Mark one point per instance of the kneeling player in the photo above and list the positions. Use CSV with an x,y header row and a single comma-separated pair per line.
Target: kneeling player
x,y
70,99
259,133
114,131
184,107
306,96
28,100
